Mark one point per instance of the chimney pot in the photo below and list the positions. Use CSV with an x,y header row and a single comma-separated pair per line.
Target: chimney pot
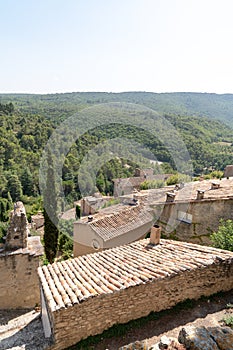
x,y
215,185
200,194
155,234
170,197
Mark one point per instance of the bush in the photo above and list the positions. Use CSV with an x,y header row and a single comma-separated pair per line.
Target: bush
x,y
228,320
177,178
65,245
223,238
149,184
110,203
65,240
3,230
217,174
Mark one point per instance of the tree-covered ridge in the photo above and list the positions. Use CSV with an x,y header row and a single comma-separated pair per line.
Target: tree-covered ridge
x,y
209,142
61,106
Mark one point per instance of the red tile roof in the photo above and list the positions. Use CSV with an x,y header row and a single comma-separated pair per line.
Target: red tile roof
x,y
73,281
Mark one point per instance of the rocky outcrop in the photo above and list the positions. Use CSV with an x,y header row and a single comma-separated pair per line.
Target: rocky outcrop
x,y
166,343
208,338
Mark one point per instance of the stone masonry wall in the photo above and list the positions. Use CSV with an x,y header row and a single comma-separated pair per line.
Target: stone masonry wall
x,y
19,283
93,316
205,219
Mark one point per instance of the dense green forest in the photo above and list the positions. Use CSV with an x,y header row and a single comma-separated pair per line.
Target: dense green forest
x,y
59,106
27,121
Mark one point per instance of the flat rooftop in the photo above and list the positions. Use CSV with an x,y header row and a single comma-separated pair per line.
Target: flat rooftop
x,y
73,281
189,191
225,189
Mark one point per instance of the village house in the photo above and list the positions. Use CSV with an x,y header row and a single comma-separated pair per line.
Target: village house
x,y
88,294
189,212
19,260
125,186
111,227
92,204
193,212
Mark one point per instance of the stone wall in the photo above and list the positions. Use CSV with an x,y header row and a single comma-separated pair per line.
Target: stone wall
x,y
94,315
205,219
19,283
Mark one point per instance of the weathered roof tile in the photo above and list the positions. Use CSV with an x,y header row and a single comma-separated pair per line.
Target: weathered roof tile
x,y
73,281
115,224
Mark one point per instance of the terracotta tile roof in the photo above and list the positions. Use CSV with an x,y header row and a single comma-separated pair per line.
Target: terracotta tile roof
x,y
117,223
73,281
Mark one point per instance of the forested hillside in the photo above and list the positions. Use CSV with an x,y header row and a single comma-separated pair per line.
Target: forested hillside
x,y
27,121
58,106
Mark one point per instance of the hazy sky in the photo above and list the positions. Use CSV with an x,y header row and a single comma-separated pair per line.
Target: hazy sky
x,y
116,45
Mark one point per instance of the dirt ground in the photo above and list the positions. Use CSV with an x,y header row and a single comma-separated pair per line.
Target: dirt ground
x,y
21,330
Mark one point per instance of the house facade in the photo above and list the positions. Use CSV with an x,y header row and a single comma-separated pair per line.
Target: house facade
x,y
192,213
114,226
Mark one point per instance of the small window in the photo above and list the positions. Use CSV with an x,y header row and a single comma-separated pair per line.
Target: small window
x,y
185,217
16,237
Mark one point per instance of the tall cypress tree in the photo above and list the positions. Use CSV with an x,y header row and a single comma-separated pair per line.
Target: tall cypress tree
x,y
50,213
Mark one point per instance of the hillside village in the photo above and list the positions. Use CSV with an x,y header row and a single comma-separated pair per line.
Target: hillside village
x,y
116,175
116,274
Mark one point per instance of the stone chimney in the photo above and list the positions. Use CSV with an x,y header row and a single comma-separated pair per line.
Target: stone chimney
x,y
155,234
170,197
215,185
228,172
18,231
200,194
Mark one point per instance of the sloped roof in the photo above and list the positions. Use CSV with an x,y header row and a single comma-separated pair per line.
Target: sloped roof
x,y
117,223
73,281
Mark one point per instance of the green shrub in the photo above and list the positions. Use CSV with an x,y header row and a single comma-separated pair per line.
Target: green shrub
x,y
228,320
77,212
149,184
217,174
223,238
177,178
65,245
3,230
110,203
